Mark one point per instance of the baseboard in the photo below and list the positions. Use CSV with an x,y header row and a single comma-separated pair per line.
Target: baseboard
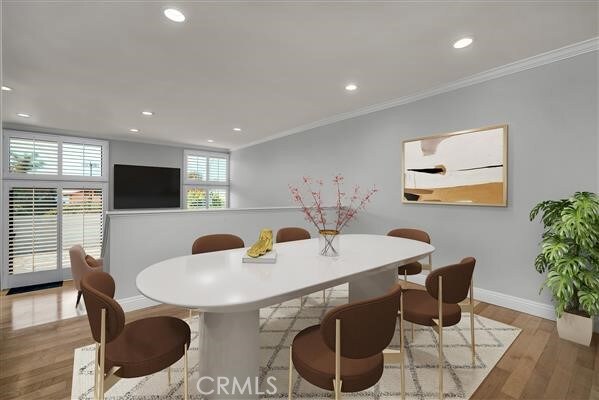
x,y
531,307
136,303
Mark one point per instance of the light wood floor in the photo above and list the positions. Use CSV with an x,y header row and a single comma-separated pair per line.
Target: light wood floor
x,y
40,330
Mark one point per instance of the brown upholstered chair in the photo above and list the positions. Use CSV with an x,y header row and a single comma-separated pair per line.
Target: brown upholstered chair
x,y
347,351
440,304
217,242
415,234
131,350
81,265
291,234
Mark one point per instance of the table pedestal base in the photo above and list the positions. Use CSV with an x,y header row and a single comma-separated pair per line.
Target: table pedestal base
x,y
229,355
372,285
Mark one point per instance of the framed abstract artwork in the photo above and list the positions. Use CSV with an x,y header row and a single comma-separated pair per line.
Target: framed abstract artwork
x,y
464,168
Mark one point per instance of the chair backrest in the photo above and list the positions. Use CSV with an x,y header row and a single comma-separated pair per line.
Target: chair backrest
x,y
98,293
456,281
291,234
217,242
79,267
367,326
410,233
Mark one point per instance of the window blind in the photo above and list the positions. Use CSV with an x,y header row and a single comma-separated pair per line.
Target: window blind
x,y
33,156
196,168
32,229
217,169
80,159
82,221
217,198
196,198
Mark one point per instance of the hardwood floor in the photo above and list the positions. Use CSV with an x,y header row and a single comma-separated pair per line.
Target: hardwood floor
x,y
39,331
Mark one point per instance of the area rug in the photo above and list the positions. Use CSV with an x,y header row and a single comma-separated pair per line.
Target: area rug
x,y
280,323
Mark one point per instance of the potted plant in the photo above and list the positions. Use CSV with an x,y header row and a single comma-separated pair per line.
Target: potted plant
x,y
570,257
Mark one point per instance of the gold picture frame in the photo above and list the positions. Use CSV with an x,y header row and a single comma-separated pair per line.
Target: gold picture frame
x,y
468,167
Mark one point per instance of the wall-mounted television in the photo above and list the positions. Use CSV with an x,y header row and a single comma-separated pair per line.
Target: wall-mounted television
x,y
137,186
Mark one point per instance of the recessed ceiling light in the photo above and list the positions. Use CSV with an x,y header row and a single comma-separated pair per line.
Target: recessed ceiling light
x,y
134,130
351,87
6,88
174,15
463,42
237,129
23,115
147,113
210,141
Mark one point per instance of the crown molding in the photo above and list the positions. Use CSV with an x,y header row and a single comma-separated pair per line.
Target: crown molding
x,y
110,138
562,53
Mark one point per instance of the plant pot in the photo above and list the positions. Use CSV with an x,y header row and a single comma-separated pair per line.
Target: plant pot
x,y
328,243
575,328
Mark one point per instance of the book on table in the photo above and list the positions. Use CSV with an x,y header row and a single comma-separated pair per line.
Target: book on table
x,y
268,258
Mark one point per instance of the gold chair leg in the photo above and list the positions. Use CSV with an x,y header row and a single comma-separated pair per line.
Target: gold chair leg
x,y
185,377
96,360
102,353
337,389
405,276
324,297
290,377
472,343
337,382
403,350
440,300
168,373
412,326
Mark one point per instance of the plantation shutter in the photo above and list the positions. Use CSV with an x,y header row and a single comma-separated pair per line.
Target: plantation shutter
x,y
32,229
32,156
217,198
196,198
196,168
82,221
217,169
80,159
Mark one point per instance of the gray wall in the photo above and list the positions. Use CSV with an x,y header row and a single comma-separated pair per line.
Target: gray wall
x,y
153,155
552,116
145,154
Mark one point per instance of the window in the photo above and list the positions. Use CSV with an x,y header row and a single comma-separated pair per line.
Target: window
x,y
32,156
55,189
82,221
32,229
80,159
50,157
206,179
197,168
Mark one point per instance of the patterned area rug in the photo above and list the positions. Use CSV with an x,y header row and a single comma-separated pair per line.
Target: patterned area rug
x,y
280,323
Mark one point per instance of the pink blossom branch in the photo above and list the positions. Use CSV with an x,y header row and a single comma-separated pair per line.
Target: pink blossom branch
x,y
316,213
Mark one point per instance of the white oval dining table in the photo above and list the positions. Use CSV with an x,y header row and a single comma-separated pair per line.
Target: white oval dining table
x,y
231,293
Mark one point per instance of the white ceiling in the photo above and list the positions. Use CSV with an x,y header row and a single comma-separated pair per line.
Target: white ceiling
x,y
266,67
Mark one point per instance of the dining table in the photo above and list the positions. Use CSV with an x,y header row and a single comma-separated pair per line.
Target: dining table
x,y
230,293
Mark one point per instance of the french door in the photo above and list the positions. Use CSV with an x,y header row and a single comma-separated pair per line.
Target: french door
x,y
43,220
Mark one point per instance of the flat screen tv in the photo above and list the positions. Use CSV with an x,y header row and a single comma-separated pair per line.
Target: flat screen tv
x,y
146,187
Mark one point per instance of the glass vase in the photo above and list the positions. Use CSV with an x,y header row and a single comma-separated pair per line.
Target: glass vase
x,y
328,243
